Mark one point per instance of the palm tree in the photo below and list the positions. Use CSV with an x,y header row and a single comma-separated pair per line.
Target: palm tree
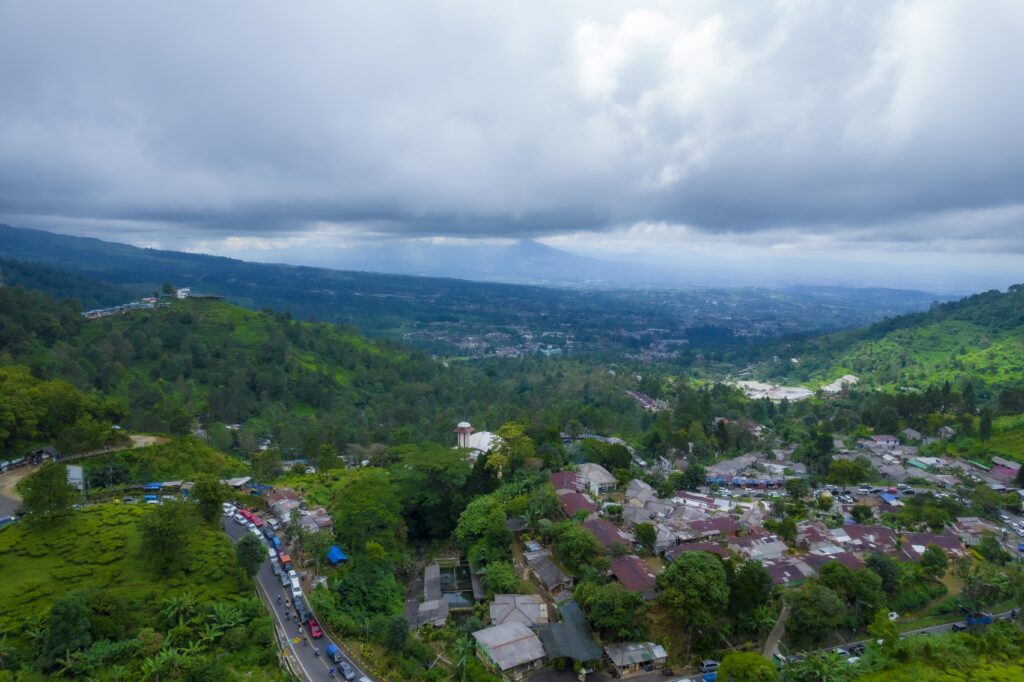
x,y
35,629
824,667
180,608
761,620
118,673
152,667
210,633
463,653
225,616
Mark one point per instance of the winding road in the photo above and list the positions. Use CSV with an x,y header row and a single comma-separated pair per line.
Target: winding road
x,y
304,662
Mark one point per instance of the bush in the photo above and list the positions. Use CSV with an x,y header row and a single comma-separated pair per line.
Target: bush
x,y
913,597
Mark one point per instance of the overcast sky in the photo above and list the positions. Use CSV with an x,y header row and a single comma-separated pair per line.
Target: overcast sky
x,y
877,135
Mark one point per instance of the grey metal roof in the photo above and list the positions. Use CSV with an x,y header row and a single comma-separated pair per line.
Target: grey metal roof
x,y
571,638
432,582
510,645
630,653
546,570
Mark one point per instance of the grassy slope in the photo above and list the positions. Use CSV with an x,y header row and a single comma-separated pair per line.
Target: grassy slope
x,y
99,547
182,458
228,328
979,336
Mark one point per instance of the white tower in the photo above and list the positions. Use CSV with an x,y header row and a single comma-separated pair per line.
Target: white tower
x,y
462,431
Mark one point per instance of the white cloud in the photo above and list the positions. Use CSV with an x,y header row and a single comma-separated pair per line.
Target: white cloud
x,y
793,126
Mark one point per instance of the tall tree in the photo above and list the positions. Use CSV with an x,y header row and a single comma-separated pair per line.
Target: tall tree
x,y
209,494
46,495
614,611
796,488
166,531
646,535
750,588
693,477
934,562
694,589
815,612
250,554
985,424
746,666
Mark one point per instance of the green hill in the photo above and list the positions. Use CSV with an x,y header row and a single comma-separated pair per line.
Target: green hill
x,y
302,384
95,558
980,338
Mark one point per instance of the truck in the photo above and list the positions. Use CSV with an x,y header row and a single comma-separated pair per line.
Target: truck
x,y
334,653
978,618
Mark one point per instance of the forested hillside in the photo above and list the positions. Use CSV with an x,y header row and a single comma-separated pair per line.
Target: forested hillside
x,y
977,338
458,317
302,384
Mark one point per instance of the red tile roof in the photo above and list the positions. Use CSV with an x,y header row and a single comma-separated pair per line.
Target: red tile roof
x,y
673,552
634,574
574,502
605,532
845,558
723,525
564,480
947,542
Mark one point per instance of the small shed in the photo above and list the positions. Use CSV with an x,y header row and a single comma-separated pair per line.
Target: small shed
x,y
335,555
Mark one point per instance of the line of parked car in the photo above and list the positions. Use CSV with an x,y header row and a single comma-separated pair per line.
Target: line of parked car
x,y
281,562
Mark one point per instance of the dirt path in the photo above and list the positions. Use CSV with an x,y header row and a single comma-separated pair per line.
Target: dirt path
x,y
9,480
771,646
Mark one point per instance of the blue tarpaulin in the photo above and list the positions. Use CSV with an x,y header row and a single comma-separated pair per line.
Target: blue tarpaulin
x,y
151,486
335,555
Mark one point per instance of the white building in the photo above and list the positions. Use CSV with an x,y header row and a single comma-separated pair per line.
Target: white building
x,y
596,478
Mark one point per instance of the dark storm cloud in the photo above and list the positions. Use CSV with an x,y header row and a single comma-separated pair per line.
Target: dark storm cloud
x,y
856,122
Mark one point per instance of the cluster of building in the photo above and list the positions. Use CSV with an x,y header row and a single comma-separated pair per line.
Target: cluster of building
x,y
123,309
148,303
650,404
523,636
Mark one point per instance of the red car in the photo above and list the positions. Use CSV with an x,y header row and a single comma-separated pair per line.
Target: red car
x,y
314,629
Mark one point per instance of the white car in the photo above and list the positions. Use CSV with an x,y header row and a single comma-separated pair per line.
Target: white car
x,y
239,519
893,616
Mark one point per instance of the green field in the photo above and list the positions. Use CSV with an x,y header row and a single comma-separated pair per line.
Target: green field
x,y
96,553
98,547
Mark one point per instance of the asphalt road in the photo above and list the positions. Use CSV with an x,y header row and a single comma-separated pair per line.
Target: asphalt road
x,y
313,668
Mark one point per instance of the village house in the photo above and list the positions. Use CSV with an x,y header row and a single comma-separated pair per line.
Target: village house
x,y
315,520
911,434
819,558
575,502
970,529
788,570
553,579
1004,470
639,493
913,545
885,441
711,528
528,609
865,539
635,575
673,553
607,534
565,481
597,479
512,649
282,502
636,657
758,545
